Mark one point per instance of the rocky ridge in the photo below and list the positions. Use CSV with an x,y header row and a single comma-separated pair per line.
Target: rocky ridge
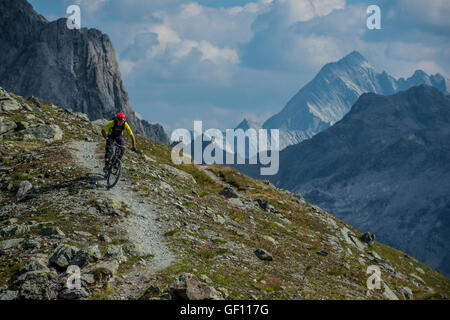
x,y
384,167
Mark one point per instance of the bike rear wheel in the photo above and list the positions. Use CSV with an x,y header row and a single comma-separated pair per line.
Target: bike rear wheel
x,y
114,174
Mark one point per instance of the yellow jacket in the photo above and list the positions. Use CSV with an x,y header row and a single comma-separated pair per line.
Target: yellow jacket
x,y
110,127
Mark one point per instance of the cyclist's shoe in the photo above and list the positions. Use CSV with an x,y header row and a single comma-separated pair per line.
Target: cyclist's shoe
x,y
105,168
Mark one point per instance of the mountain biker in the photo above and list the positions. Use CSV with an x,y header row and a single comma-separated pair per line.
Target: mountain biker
x,y
113,132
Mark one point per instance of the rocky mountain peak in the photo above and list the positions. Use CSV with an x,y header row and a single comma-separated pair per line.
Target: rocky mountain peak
x,y
354,58
247,124
74,69
329,96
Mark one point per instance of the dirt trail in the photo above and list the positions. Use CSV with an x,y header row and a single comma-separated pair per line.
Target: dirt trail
x,y
141,226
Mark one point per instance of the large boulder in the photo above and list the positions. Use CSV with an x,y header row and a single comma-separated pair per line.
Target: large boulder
x,y
35,264
368,238
9,104
6,125
115,252
35,101
62,256
47,133
86,255
351,239
263,254
132,249
407,293
228,192
24,187
388,293
38,285
51,231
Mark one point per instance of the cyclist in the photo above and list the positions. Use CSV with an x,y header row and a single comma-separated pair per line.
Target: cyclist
x,y
113,132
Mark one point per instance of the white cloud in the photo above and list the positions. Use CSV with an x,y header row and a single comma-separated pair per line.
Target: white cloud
x,y
190,10
213,53
90,5
126,66
304,10
179,48
165,35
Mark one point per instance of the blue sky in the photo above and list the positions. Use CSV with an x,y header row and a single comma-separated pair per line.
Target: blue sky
x,y
223,60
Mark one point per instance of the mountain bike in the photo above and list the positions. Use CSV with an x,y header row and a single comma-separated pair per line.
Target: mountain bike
x,y
114,169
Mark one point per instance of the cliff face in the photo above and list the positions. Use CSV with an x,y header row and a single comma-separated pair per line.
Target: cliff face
x,y
75,69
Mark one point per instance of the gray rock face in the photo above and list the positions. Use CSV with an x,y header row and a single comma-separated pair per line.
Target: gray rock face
x,y
331,94
74,69
384,167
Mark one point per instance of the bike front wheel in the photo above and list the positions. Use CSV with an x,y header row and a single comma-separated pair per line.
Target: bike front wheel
x,y
114,174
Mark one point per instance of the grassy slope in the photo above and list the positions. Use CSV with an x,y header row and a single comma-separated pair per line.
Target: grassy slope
x,y
221,251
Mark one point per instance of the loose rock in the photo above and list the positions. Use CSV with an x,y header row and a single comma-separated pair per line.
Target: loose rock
x,y
62,256
188,287
263,254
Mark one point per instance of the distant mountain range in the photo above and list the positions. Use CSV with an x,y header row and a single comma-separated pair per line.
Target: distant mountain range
x,y
385,168
74,69
330,95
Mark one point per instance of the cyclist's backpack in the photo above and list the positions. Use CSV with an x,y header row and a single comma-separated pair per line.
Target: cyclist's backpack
x,y
116,127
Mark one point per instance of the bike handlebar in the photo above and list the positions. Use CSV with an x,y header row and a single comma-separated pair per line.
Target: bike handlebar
x,y
118,145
